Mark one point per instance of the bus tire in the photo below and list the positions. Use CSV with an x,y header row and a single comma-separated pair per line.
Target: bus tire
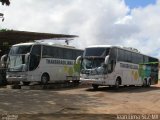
x,y
44,78
95,87
26,83
149,83
117,83
76,82
16,86
145,83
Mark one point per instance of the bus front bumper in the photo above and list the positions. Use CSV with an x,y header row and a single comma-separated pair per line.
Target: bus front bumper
x,y
16,78
92,81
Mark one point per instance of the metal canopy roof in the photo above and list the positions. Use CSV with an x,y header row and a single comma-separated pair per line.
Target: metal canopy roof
x,y
13,37
8,38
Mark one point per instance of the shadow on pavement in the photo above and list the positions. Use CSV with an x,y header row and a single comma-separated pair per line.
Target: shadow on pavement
x,y
128,89
68,117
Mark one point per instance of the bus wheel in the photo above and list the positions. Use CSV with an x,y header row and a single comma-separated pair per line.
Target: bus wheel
x,y
117,84
149,83
76,82
26,83
145,83
44,79
95,87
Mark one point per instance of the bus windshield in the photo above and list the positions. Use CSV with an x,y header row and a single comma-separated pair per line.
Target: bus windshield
x,y
93,60
16,63
16,58
92,65
24,49
99,52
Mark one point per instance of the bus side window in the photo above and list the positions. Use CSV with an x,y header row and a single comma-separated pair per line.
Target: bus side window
x,y
121,55
111,66
35,57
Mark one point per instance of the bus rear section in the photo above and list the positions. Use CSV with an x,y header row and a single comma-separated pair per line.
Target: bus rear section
x,y
105,65
40,62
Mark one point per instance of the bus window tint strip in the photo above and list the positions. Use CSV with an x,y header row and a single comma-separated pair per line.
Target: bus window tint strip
x,y
132,57
101,52
128,66
61,53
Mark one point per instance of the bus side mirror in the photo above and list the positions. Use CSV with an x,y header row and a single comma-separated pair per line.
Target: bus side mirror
x,y
79,58
4,60
27,57
106,59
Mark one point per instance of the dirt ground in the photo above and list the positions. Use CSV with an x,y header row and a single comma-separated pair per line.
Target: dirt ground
x,y
78,103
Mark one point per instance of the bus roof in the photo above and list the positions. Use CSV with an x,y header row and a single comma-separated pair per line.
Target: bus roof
x,y
99,46
21,44
48,44
105,46
111,46
121,47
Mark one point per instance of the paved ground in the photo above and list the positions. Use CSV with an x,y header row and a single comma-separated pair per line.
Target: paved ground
x,y
79,102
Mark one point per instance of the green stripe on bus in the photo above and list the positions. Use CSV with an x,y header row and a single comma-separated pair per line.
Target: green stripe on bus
x,y
149,63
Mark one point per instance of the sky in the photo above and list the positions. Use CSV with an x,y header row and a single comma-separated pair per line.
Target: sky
x,y
129,23
139,3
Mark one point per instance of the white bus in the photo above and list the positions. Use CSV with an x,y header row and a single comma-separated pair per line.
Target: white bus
x,y
105,65
41,62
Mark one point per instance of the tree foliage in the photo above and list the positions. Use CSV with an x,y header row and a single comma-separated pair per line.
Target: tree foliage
x,y
5,2
4,30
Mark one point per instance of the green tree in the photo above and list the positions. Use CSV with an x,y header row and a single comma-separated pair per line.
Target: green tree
x,y
5,2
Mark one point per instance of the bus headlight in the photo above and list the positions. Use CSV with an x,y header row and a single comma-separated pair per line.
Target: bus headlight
x,y
7,76
23,76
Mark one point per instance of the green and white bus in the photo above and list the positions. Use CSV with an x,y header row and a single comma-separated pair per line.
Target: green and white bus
x,y
41,62
104,65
